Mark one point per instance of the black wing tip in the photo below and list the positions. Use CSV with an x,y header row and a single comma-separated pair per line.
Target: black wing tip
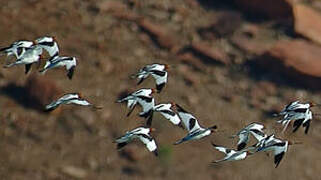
x,y
241,146
48,110
213,144
121,145
155,152
27,68
71,72
159,87
180,109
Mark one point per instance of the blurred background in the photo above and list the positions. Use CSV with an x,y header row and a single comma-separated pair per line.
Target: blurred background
x,y
233,62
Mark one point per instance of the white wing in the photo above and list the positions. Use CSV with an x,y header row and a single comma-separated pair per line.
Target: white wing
x,y
82,102
168,113
49,44
189,121
149,142
224,150
147,103
243,139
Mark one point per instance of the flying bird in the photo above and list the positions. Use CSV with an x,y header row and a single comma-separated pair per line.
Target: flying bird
x,y
299,113
72,98
157,71
60,61
144,98
141,133
255,129
31,55
278,147
168,110
17,48
49,44
231,155
195,131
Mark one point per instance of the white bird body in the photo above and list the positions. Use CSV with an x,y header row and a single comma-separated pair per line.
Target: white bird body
x,y
295,107
157,71
17,48
144,98
299,113
30,56
278,147
49,44
60,61
255,129
166,111
72,98
195,131
140,133
231,155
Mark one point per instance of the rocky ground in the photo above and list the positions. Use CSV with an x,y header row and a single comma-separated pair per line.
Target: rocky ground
x,y
232,63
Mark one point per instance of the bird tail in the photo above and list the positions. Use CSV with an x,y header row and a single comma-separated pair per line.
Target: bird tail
x,y
42,71
9,65
179,142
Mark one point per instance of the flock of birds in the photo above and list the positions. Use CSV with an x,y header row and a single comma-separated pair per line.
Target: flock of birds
x,y
30,52
298,113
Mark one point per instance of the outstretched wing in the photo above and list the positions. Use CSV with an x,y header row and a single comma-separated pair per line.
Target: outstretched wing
x,y
149,142
168,113
222,149
189,121
160,78
243,139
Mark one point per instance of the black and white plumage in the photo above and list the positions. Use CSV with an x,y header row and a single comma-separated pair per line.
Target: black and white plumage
x,y
144,98
298,112
305,121
17,48
279,148
168,111
195,131
72,98
30,56
141,133
49,44
231,155
158,71
255,129
59,61
295,107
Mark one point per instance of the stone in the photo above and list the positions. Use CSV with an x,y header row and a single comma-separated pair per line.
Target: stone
x,y
298,59
307,22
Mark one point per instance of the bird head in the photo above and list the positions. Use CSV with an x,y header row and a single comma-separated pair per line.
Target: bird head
x,y
173,105
294,142
249,153
167,67
79,95
314,104
153,90
54,39
152,130
213,128
34,42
